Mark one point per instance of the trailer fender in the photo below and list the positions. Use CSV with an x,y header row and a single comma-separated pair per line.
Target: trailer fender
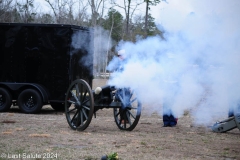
x,y
18,87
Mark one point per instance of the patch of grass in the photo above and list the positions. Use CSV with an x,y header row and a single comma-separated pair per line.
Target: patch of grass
x,y
189,140
205,140
47,141
225,153
142,135
143,143
54,149
159,148
19,151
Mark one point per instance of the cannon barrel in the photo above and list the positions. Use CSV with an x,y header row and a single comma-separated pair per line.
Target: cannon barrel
x,y
227,124
103,95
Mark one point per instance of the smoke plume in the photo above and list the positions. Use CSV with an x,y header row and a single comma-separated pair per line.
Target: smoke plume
x,y
196,67
93,46
82,44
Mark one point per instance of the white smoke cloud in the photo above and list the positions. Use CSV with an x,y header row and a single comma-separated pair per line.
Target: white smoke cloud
x,y
93,45
82,44
196,68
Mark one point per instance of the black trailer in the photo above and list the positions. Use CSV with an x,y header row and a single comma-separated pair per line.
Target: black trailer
x,y
38,62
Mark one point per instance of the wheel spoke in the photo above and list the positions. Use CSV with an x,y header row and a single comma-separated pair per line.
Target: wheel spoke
x,y
123,95
77,91
126,120
74,116
74,96
134,117
71,110
128,117
85,107
72,102
78,118
116,115
84,96
81,117
121,99
133,100
131,95
85,115
87,100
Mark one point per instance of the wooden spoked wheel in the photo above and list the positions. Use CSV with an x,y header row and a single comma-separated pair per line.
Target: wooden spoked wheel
x,y
128,115
79,105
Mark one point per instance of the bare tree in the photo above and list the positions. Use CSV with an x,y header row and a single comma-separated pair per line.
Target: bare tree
x,y
62,10
97,9
27,10
5,9
108,45
129,7
82,17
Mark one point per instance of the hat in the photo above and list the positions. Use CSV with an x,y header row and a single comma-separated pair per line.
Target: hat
x,y
121,53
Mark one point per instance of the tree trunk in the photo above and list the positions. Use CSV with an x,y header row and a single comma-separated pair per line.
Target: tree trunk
x,y
128,17
109,39
146,19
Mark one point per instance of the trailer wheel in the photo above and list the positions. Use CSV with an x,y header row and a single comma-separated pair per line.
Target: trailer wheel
x,y
127,117
79,105
5,100
30,101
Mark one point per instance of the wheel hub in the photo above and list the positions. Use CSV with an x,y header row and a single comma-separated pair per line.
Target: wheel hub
x,y
78,105
1,100
30,102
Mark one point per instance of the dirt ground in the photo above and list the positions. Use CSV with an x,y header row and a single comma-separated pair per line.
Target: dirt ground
x,y
47,136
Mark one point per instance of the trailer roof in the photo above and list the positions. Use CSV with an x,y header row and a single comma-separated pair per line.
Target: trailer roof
x,y
46,25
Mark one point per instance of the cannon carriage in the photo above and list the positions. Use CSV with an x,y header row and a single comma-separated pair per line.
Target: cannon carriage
x,y
82,103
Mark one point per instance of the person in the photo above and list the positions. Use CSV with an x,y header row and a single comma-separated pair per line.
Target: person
x,y
122,57
232,109
169,118
121,54
230,112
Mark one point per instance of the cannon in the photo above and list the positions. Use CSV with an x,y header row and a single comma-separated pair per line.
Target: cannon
x,y
232,122
227,124
81,103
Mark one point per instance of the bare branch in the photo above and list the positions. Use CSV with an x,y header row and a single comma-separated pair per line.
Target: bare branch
x,y
54,12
